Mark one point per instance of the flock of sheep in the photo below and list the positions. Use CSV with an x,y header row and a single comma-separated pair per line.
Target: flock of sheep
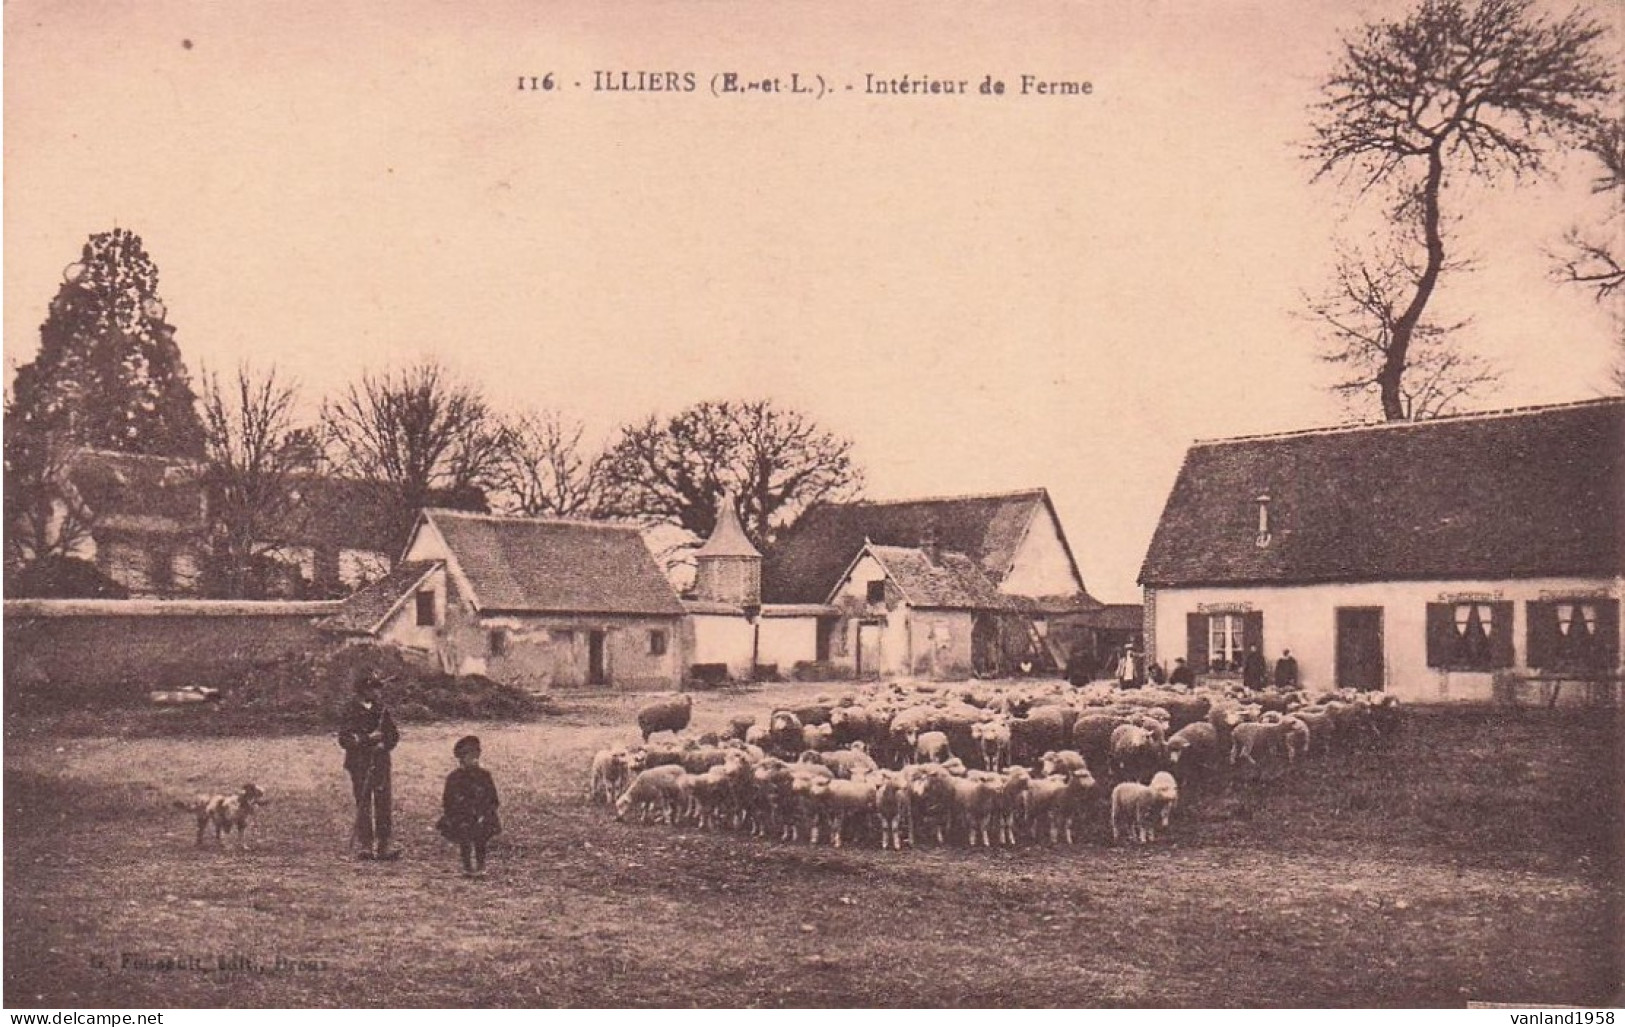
x,y
980,763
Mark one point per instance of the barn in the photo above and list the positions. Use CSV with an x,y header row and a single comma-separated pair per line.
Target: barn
x,y
1435,560
939,587
541,603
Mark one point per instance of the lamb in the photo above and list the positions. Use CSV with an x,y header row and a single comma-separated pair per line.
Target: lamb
x,y
783,735
974,798
1092,737
1056,802
667,715
994,738
1194,748
817,737
858,724
931,747
1135,752
931,799
1054,764
612,769
1289,734
1044,728
1010,802
655,787
893,809
848,763
835,801
1321,727
703,796
1143,809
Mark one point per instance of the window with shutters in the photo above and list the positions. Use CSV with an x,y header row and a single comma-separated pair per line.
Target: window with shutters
x,y
1217,642
1469,635
1573,634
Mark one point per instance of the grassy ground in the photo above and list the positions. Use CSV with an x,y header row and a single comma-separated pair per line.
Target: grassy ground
x,y
1476,858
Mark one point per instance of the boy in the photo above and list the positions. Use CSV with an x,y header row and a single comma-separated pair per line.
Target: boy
x,y
469,805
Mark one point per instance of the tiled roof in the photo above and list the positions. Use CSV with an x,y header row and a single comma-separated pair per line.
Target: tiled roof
x,y
1516,494
951,582
526,565
728,538
1112,617
809,559
135,492
131,492
365,611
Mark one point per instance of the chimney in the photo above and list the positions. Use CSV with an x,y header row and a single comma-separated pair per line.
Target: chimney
x,y
1263,502
930,546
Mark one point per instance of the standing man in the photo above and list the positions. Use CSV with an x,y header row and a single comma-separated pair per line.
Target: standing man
x,y
1286,672
367,735
1254,675
1127,674
1181,674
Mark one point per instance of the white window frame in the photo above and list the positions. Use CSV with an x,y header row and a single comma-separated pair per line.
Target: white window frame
x,y
1226,629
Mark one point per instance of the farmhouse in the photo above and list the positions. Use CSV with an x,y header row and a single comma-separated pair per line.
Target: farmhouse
x,y
536,602
1430,559
941,587
143,521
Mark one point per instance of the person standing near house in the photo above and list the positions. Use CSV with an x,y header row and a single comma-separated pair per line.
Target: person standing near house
x,y
1286,672
1181,674
1254,674
368,734
1127,673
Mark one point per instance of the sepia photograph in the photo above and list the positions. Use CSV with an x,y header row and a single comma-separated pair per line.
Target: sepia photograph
x,y
1081,504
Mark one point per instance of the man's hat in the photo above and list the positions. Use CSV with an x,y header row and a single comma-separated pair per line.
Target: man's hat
x,y
466,745
369,679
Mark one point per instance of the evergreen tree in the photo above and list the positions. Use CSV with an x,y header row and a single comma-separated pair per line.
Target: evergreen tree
x,y
109,374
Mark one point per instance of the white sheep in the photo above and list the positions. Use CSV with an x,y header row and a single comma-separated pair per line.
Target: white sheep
x,y
1144,809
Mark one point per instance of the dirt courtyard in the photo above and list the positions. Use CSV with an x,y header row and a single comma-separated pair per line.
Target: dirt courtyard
x,y
1473,858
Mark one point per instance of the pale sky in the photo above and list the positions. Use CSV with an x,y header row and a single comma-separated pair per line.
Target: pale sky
x,y
985,294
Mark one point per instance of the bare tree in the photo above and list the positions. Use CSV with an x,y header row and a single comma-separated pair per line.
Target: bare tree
x,y
778,462
1596,262
1454,88
255,458
46,518
545,472
1357,321
427,439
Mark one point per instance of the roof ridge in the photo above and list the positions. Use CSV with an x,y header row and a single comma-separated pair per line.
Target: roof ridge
x,y
1476,415
579,522
1035,491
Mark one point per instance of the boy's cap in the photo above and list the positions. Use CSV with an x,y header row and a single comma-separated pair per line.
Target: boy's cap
x,y
466,745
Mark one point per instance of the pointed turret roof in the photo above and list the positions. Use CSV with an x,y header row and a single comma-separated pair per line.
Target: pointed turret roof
x,y
728,538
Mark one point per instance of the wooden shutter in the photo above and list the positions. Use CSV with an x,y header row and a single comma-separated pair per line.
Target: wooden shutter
x,y
1252,630
1540,640
1608,632
1441,634
1501,645
1196,642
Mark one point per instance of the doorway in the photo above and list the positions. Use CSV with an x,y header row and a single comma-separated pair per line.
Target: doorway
x,y
870,654
596,674
1359,648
